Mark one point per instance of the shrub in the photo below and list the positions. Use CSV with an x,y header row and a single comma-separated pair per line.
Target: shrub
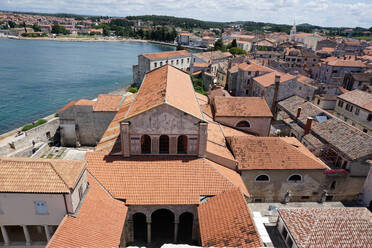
x,y
133,89
31,126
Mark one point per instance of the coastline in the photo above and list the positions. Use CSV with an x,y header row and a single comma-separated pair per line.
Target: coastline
x,y
94,39
72,39
120,91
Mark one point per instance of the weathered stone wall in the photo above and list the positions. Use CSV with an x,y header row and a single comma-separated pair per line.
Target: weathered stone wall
x,y
81,125
259,125
37,134
309,189
164,120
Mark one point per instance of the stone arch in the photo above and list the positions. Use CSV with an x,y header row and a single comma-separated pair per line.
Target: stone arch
x,y
139,228
295,178
145,144
262,178
182,144
162,226
164,144
243,124
185,225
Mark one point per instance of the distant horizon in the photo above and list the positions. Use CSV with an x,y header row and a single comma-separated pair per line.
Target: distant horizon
x,y
88,15
323,13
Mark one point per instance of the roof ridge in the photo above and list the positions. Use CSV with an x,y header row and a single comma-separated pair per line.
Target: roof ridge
x,y
54,169
219,173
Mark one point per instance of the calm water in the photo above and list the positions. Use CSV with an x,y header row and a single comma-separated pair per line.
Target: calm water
x,y
39,77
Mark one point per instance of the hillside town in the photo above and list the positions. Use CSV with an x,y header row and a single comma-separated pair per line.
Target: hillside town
x,y
259,140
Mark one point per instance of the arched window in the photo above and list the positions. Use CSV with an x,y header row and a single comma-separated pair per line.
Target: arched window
x,y
243,124
164,144
145,144
162,226
182,144
262,178
295,178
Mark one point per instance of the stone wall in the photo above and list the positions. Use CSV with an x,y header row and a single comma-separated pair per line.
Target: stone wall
x,y
37,134
258,125
274,190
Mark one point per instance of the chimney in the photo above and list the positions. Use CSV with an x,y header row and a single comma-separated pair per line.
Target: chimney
x,y
308,125
276,93
298,112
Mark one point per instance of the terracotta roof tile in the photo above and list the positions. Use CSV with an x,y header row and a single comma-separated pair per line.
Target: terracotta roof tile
x,y
329,227
107,102
254,67
169,85
39,175
272,153
241,107
349,140
359,98
226,221
347,63
166,55
269,78
99,222
161,181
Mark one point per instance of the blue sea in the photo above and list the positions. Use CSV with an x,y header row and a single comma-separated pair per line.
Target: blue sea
x,y
39,77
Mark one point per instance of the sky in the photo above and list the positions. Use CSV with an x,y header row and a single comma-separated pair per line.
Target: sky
x,y
328,13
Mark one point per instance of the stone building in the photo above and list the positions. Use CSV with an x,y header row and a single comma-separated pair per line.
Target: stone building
x,y
355,108
249,114
246,72
212,58
32,206
345,149
274,87
286,172
150,61
83,122
361,81
332,70
162,137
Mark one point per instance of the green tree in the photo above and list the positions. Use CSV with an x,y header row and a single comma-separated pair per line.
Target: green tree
x,y
237,51
234,44
36,27
58,29
11,24
179,47
218,45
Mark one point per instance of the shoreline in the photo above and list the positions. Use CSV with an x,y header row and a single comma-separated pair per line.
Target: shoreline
x,y
72,39
86,39
120,91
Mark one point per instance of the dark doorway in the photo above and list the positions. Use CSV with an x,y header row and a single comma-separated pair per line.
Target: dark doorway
x,y
140,228
182,144
185,228
37,233
16,234
145,144
164,144
162,227
1,238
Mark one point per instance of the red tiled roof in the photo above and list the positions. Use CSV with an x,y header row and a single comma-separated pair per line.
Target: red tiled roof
x,y
168,85
28,175
166,55
225,221
347,63
107,102
241,107
272,153
99,222
254,67
269,78
161,181
329,227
